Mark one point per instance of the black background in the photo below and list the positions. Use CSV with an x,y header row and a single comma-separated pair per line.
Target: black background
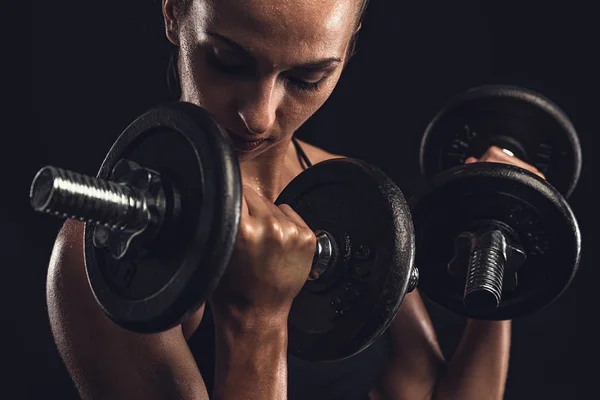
x,y
97,65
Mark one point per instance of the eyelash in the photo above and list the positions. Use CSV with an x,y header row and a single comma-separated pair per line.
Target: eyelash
x,y
237,70
306,86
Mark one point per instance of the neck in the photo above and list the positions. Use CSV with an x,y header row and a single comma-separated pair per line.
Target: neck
x,y
270,171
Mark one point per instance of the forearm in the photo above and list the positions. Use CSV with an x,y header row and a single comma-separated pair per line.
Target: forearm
x,y
251,360
418,370
479,367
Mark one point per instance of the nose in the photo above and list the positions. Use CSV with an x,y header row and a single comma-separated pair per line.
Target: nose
x,y
258,108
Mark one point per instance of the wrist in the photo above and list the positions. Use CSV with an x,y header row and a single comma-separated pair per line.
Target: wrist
x,y
234,329
251,357
248,319
248,331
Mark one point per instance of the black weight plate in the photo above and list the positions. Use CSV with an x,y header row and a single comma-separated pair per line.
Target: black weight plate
x,y
348,307
155,289
531,126
540,216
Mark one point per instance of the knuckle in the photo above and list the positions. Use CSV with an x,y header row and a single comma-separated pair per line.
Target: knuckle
x,y
247,231
292,228
307,237
274,229
310,238
272,224
293,232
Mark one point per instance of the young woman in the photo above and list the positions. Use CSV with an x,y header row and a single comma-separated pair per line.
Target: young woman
x,y
261,68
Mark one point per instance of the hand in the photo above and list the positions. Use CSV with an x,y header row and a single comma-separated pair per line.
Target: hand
x,y
495,154
270,263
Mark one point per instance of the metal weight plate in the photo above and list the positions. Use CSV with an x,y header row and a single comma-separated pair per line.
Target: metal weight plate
x,y
348,307
544,224
155,288
522,121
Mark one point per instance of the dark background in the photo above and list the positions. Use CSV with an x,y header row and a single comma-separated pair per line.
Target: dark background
x,y
98,65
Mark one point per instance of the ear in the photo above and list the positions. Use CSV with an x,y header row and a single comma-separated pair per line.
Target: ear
x,y
169,10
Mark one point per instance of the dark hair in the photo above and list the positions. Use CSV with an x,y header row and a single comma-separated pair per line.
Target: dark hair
x,y
183,6
173,82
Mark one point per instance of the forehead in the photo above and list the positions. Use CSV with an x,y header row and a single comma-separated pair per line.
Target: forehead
x,y
297,25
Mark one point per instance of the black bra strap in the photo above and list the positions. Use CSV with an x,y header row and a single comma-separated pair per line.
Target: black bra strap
x,y
302,157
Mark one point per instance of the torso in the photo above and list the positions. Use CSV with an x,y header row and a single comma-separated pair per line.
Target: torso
x,y
350,379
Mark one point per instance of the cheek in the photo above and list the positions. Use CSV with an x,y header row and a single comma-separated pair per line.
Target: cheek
x,y
297,108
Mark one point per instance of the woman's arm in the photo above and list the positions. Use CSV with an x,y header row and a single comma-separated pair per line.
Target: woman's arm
x,y
418,370
104,360
251,360
479,368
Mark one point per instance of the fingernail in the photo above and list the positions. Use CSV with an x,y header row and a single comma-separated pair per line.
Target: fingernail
x,y
510,153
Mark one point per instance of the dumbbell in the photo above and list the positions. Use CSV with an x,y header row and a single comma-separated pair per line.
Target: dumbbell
x,y
495,241
162,217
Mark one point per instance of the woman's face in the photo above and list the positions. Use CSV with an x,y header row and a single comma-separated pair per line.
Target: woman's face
x,y
261,67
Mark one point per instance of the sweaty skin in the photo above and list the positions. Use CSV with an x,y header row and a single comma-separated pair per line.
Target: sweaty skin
x,y
262,68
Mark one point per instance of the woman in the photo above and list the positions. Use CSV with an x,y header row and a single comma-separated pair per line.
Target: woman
x,y
262,68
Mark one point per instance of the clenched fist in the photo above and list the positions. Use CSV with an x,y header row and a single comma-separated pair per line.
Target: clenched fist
x,y
270,263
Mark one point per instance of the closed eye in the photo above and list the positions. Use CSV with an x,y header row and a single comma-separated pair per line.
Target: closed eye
x,y
306,85
229,65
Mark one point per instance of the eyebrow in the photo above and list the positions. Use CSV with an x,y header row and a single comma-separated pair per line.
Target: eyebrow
x,y
314,65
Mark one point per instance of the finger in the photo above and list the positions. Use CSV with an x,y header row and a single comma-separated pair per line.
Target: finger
x,y
293,215
496,154
257,205
471,160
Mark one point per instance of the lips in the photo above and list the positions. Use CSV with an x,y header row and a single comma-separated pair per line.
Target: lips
x,y
242,143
